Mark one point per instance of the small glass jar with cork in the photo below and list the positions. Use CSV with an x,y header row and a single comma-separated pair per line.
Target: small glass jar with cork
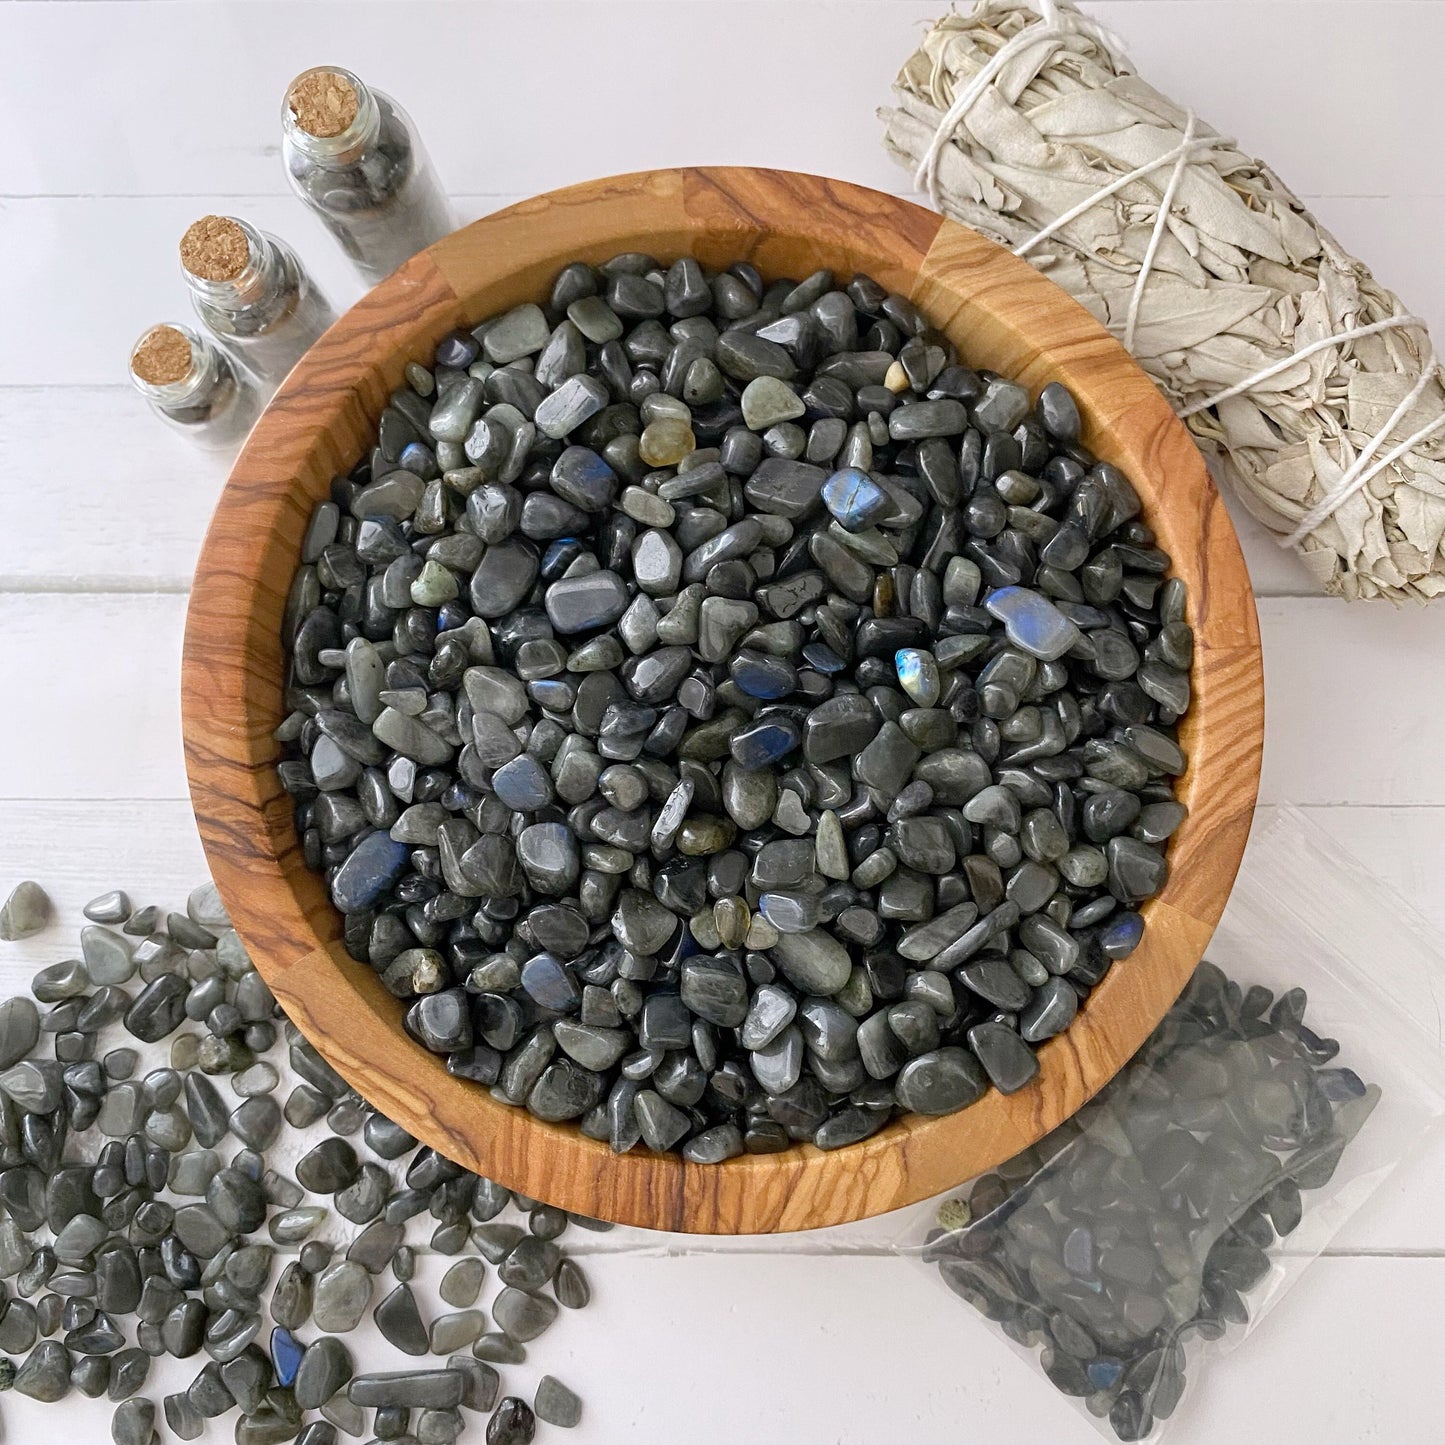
x,y
353,156
194,386
252,292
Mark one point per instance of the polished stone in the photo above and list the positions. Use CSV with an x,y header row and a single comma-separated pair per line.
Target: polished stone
x,y
940,1082
399,1319
19,1029
581,604
1049,1012
408,1390
25,911
1032,622
1008,1061
813,961
513,1423
555,1404
854,498
522,1316
343,1291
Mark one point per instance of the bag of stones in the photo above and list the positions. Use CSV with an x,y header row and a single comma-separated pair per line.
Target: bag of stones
x,y
1155,1229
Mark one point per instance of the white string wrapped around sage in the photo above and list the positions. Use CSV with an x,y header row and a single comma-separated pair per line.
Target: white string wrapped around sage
x,y
1290,363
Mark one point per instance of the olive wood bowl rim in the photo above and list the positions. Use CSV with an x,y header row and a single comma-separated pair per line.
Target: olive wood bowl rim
x,y
998,309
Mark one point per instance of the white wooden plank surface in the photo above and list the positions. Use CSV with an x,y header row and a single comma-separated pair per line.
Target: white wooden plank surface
x,y
125,516
1291,80
104,723
103,511
831,1350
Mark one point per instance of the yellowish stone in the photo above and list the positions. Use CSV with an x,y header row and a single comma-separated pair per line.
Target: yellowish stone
x,y
731,918
665,442
703,835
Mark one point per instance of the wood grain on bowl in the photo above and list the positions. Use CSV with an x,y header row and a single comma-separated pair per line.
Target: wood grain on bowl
x,y
1001,314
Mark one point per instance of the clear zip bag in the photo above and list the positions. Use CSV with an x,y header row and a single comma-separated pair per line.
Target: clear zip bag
x,y
1154,1230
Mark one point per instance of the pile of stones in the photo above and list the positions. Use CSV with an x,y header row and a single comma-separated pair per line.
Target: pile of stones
x,y
724,718
1139,1226
143,1213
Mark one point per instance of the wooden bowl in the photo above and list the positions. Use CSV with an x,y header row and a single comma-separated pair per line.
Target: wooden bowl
x,y
1002,314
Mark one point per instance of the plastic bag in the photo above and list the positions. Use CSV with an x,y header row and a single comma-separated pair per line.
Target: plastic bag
x,y
1159,1225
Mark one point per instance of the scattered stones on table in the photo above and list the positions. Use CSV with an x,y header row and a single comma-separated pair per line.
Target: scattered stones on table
x,y
523,1316
19,1029
25,911
556,1404
111,907
512,1423
399,1320
756,698
408,1390
146,1196
1143,1222
462,1283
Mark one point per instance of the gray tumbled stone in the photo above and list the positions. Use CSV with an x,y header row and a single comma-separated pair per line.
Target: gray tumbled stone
x,y
26,911
523,1316
555,1404
343,1291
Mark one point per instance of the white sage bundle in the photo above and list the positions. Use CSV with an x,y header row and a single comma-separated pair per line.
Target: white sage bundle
x,y
1309,381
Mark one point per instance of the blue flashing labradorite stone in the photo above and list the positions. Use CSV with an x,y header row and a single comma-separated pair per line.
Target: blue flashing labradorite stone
x,y
374,865
559,556
1032,622
789,912
761,676
822,657
457,349
1078,1252
451,615
583,478
854,498
546,979
918,675
1103,1372
1120,936
420,460
762,743
285,1356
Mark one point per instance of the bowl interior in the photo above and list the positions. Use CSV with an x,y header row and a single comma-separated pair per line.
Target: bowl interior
x,y
1002,315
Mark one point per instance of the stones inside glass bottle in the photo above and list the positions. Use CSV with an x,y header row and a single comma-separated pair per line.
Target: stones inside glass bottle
x,y
194,386
252,291
353,155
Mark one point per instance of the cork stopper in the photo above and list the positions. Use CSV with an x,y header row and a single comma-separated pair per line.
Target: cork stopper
x,y
162,356
215,249
323,102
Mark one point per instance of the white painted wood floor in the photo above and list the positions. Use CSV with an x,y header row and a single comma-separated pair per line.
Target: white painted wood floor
x,y
122,122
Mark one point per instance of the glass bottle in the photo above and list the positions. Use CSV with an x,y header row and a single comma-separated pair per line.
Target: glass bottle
x,y
252,292
194,386
353,155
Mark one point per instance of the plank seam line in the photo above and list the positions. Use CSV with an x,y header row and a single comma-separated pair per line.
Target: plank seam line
x,y
94,586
